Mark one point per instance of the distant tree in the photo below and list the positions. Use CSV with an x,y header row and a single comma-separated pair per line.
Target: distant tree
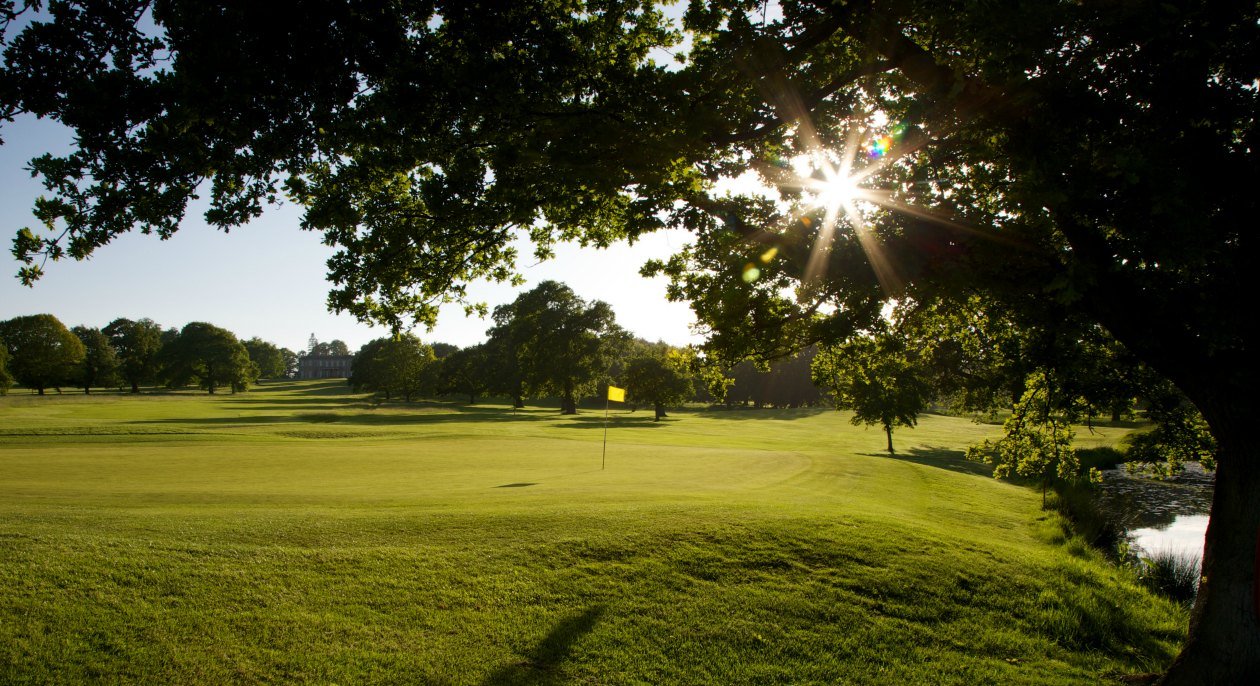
x,y
659,376
506,376
467,371
443,350
785,382
290,363
100,361
210,356
137,344
42,352
1037,438
562,343
876,377
267,357
329,349
6,379
365,371
400,366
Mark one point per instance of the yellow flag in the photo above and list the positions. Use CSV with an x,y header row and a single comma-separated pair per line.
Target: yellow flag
x,y
617,395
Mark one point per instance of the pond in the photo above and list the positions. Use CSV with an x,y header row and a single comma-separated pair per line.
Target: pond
x,y
1161,516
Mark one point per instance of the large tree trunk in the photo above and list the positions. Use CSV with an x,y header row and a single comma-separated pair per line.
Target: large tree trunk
x,y
660,411
135,387
888,432
518,402
1224,642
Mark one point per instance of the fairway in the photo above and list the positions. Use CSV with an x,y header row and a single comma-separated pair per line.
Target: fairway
x,y
303,534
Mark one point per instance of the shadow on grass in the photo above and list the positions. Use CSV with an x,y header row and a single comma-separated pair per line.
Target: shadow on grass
x,y
359,415
644,421
521,484
941,458
540,665
764,413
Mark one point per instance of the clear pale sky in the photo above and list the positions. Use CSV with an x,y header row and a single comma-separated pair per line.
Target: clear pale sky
x,y
266,279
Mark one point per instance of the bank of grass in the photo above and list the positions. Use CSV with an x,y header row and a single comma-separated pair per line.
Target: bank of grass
x,y
300,534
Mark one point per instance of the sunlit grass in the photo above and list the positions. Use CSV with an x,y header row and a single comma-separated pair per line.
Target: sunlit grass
x,y
302,534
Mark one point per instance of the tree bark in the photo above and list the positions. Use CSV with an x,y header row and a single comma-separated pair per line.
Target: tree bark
x,y
135,387
568,404
1223,646
888,432
660,411
518,402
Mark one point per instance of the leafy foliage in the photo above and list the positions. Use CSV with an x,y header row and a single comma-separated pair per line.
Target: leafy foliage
x,y
1037,440
660,376
137,344
268,358
878,378
209,356
6,379
559,344
398,366
100,362
468,371
1180,435
42,352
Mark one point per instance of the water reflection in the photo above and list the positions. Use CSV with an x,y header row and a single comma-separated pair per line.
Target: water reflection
x,y
1161,515
1183,536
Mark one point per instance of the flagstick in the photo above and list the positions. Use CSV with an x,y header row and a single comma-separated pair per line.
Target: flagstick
x,y
604,455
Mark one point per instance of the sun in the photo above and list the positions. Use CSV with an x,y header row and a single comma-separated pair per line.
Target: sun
x,y
838,191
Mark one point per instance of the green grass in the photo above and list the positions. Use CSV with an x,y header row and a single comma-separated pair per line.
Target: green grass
x,y
300,534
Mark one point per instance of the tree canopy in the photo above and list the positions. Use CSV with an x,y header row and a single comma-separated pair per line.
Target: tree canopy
x,y
100,362
269,359
468,371
210,356
42,352
137,344
660,376
878,378
401,366
559,343
1087,163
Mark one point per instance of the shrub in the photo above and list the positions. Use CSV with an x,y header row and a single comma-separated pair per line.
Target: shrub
x,y
1172,573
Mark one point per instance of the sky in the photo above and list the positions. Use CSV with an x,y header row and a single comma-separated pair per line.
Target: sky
x,y
267,279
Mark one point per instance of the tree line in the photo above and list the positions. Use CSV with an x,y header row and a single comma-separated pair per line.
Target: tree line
x,y
548,343
40,353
